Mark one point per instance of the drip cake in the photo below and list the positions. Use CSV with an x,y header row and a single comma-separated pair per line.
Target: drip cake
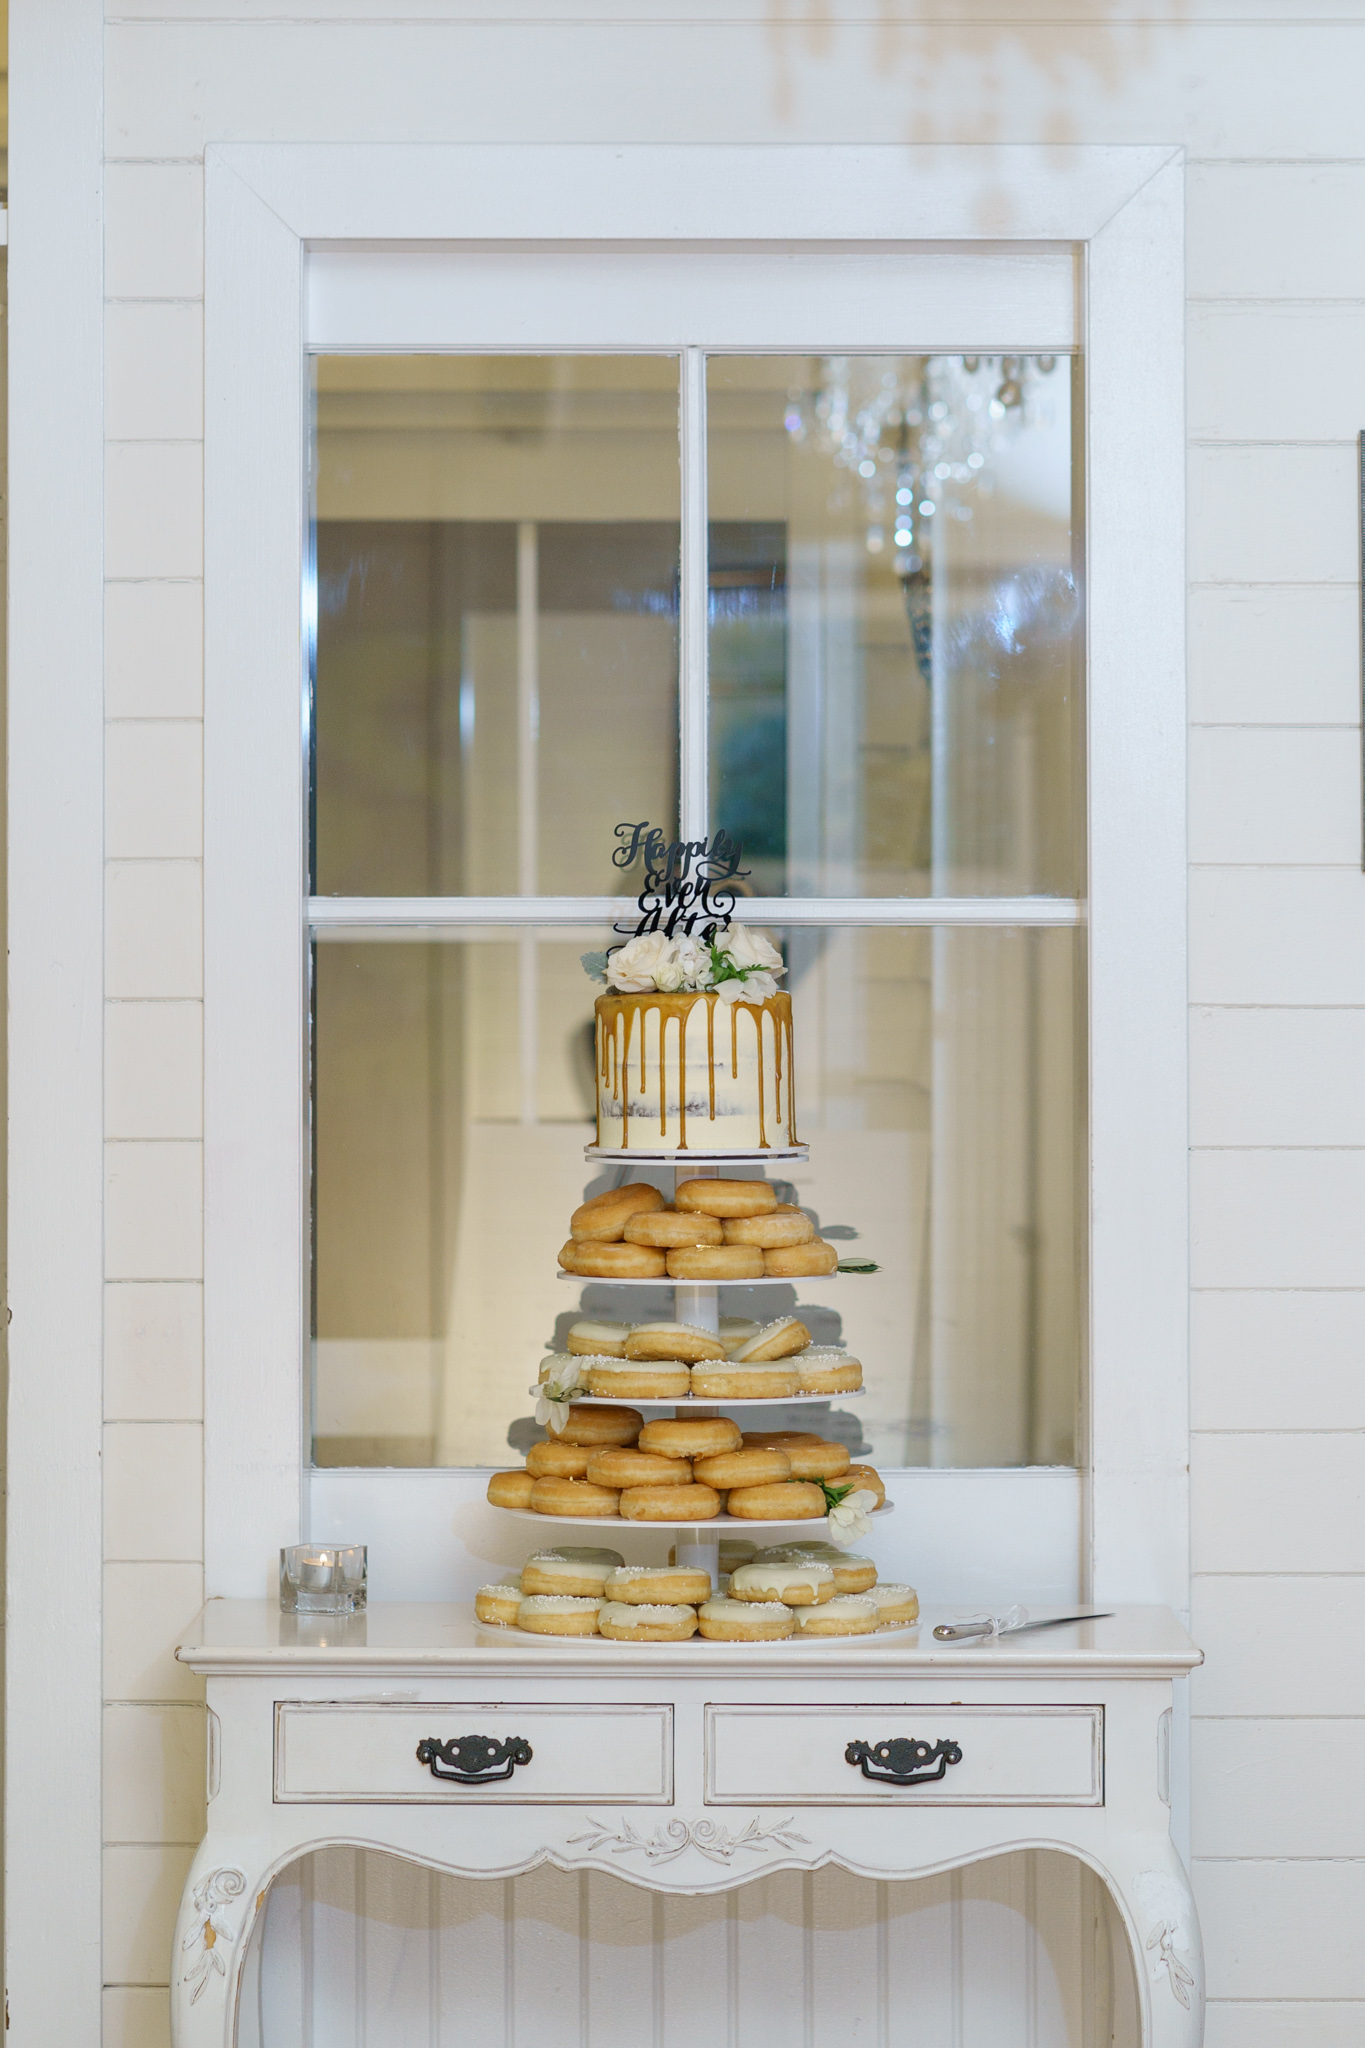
x,y
694,1047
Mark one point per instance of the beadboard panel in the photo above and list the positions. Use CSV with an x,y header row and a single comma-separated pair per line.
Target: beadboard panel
x,y
361,1950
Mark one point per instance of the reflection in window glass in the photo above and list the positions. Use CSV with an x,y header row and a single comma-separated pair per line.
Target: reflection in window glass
x,y
895,646
938,1082
496,666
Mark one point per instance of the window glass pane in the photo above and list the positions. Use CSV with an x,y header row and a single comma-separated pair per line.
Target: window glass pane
x,y
895,635
495,676
940,1084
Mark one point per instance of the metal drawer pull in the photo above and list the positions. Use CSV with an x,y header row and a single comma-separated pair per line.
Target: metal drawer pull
x,y
906,1761
473,1759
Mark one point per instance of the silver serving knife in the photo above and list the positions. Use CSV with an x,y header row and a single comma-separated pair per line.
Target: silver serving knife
x,y
954,1631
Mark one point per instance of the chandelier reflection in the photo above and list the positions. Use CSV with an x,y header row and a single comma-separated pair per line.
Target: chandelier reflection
x,y
917,444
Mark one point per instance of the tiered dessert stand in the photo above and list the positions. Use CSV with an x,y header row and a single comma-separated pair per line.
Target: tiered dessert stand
x,y
698,1303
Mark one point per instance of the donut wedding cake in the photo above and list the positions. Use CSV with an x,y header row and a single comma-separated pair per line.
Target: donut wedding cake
x,y
694,1058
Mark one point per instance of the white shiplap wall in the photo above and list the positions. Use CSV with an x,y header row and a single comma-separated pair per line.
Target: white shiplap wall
x,y
1264,95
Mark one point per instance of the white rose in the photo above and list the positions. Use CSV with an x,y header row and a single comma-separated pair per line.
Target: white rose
x,y
748,947
749,988
640,962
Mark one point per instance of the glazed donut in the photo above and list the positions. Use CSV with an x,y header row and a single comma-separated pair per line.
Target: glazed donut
x,y
673,1340
733,1382
819,1460
823,1370
737,1330
727,1197
638,1379
675,1226
782,1502
602,1261
568,1257
693,1437
800,1261
670,1503
498,1604
556,1460
616,1466
573,1497
797,1583
511,1489
716,1262
597,1340
780,1226
626,1623
778,1439
742,1468
669,1583
745,1621
865,1476
897,1606
778,1339
852,1574
558,1614
601,1426
548,1572
848,1614
603,1218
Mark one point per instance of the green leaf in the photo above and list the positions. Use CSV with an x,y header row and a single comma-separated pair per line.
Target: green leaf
x,y
857,1266
594,966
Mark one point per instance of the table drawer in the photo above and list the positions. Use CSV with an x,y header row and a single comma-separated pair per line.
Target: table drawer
x,y
951,1756
354,1753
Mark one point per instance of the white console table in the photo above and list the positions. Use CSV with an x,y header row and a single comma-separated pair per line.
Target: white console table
x,y
688,1767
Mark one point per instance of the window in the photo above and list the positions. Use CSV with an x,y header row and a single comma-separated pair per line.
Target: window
x,y
831,602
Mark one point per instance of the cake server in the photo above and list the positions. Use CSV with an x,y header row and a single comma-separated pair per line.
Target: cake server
x,y
955,1631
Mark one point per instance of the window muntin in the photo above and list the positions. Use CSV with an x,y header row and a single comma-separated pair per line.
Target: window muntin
x,y
944,1058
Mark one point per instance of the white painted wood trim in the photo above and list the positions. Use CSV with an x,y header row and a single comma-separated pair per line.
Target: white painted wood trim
x,y
1125,203
56,924
255,984
1139,1403
354,916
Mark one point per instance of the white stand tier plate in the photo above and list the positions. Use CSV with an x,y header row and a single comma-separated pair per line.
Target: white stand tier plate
x,y
686,1767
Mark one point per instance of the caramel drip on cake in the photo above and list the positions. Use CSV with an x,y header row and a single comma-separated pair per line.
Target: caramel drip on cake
x,y
621,1014
792,1138
777,1073
757,1016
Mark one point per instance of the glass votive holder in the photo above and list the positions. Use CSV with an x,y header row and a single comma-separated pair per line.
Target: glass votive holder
x,y
322,1578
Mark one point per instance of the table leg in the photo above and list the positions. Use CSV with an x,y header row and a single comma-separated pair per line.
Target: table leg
x,y
223,1895
1153,1891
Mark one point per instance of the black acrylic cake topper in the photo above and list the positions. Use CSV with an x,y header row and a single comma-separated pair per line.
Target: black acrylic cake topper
x,y
688,884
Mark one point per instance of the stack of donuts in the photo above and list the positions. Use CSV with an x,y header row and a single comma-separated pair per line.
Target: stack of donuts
x,y
801,1589
668,1361
610,1461
714,1230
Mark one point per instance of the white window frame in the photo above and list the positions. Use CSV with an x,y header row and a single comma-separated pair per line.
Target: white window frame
x,y
266,205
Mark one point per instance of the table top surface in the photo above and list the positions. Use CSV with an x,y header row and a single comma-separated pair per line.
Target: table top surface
x,y
424,1638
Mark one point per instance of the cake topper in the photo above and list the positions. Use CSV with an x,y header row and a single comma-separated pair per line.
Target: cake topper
x,y
679,881
684,938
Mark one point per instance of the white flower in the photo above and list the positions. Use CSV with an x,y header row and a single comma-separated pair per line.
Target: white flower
x,y
748,988
851,1520
694,962
748,947
642,963
555,1391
